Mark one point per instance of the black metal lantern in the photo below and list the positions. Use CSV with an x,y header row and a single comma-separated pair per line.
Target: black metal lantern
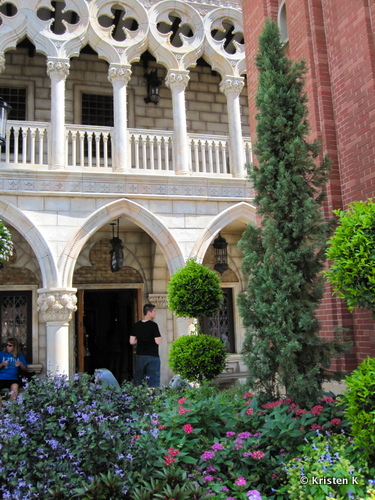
x,y
4,110
221,256
153,84
117,252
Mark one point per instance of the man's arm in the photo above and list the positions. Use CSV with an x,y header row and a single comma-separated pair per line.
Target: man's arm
x,y
158,340
132,340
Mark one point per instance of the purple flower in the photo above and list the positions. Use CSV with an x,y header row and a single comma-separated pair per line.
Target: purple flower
x,y
217,447
207,455
208,479
241,481
254,495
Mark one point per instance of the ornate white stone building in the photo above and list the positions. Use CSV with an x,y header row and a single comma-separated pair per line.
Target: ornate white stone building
x,y
129,120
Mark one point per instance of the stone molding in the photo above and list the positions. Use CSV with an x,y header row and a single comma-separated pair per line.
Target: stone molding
x,y
56,305
159,300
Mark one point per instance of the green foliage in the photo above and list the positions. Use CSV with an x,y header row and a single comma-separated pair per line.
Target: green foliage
x,y
360,406
6,245
197,357
284,256
194,291
352,250
328,467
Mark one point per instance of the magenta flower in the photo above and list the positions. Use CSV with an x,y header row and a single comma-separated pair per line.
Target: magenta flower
x,y
254,495
217,447
241,481
207,455
188,428
208,479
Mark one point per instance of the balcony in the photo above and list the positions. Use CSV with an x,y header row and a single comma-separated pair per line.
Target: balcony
x,y
89,148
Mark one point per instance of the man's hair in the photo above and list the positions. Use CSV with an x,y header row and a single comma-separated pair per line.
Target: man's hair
x,y
147,308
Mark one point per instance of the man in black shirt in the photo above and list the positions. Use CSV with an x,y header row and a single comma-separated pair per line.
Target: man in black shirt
x,y
146,336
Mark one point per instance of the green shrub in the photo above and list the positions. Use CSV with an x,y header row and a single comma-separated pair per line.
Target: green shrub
x,y
360,405
351,249
194,291
197,357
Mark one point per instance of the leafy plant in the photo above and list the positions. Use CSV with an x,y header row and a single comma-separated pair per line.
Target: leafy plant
x,y
6,245
360,406
351,248
194,291
284,256
197,357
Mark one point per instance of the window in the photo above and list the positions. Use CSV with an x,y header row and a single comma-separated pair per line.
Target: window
x,y
221,324
97,110
15,97
282,22
15,320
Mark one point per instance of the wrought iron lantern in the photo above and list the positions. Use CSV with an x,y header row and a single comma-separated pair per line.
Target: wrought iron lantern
x,y
153,84
117,252
4,110
221,256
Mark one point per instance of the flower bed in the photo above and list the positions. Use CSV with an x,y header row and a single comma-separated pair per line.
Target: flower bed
x,y
77,439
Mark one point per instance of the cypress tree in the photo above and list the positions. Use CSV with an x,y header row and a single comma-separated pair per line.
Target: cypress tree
x,y
284,255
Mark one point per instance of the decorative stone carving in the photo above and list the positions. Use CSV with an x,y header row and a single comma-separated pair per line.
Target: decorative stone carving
x,y
58,67
232,84
177,79
2,63
158,299
117,73
57,305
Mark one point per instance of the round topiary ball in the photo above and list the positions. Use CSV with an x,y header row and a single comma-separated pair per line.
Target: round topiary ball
x,y
197,357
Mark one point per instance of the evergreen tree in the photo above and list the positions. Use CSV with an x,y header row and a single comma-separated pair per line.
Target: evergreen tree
x,y
284,256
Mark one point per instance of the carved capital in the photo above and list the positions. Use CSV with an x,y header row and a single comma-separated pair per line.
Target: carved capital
x,y
2,63
177,79
56,305
119,73
232,85
158,299
58,67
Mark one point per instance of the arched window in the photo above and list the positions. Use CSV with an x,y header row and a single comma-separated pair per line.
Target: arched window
x,y
282,22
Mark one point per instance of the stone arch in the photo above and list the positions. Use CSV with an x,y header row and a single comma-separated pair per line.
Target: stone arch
x,y
242,211
14,216
145,219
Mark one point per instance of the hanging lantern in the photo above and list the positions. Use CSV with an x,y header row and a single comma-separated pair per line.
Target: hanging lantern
x,y
4,110
221,256
153,84
117,252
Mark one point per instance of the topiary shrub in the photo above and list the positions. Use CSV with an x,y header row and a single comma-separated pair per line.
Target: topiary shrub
x,y
360,401
194,291
197,357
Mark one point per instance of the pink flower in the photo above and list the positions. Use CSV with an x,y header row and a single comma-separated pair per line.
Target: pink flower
x,y
208,479
241,481
217,447
317,409
336,421
207,455
328,399
248,395
188,428
316,427
173,451
249,411
257,455
230,434
182,410
181,401
300,411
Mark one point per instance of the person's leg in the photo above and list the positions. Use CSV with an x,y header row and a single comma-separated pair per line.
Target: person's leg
x,y
139,374
153,371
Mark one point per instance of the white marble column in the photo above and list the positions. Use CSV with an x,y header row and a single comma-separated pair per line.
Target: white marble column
x,y
2,63
56,306
231,86
177,81
57,70
119,76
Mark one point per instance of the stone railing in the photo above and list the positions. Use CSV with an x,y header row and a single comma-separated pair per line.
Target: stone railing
x,y
90,148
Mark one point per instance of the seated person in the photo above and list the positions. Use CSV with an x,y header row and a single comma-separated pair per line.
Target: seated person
x,y
12,361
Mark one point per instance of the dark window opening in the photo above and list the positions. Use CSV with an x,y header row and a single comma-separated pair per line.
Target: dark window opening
x,y
15,320
221,323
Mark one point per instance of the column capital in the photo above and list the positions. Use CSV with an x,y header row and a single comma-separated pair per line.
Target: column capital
x,y
119,73
177,79
58,67
2,63
232,85
57,304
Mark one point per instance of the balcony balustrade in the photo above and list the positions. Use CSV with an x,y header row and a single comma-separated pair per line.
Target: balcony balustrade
x,y
90,148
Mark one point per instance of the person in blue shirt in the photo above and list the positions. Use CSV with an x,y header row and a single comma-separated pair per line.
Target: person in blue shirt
x,y
12,361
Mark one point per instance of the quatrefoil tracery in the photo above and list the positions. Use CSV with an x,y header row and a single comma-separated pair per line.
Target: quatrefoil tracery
x,y
61,17
7,10
229,37
121,24
176,29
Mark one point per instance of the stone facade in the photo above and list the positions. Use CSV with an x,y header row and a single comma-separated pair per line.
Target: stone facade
x,y
165,178
336,39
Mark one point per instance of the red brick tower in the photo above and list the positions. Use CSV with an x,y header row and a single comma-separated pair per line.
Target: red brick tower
x,y
336,39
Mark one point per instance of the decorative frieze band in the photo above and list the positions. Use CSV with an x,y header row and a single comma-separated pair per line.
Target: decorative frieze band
x,y
56,305
158,299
